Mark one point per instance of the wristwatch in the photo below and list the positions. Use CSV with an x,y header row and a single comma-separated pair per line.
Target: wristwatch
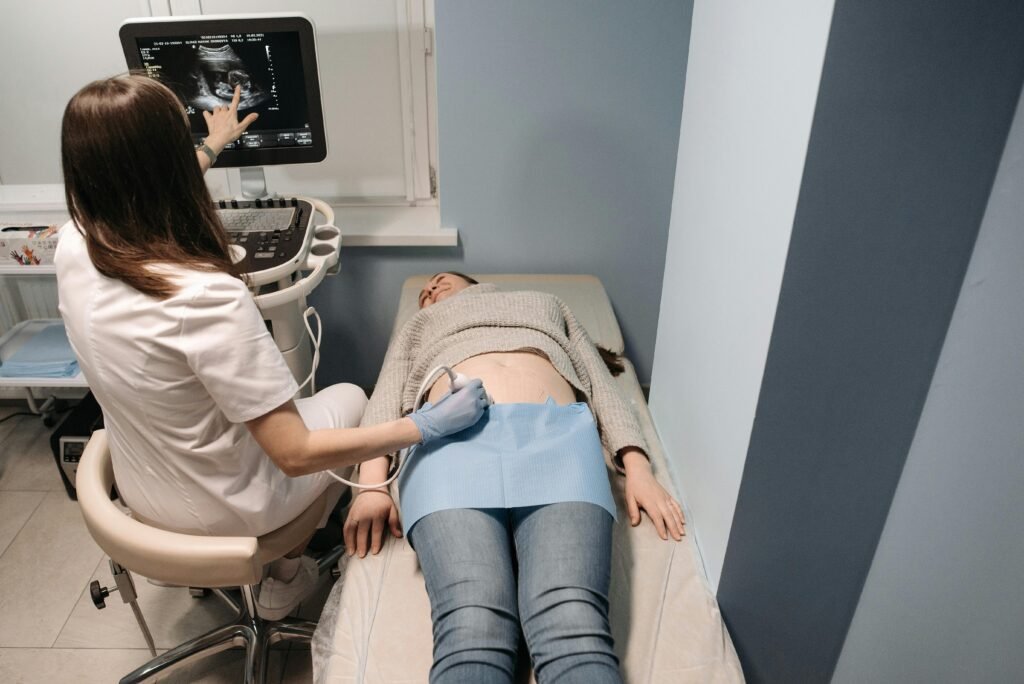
x,y
203,147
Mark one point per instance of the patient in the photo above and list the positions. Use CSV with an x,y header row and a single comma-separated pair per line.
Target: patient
x,y
512,518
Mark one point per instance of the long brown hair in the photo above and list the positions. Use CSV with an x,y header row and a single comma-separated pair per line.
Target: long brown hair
x,y
134,187
471,281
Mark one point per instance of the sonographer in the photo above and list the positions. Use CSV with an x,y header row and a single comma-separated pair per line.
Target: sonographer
x,y
205,435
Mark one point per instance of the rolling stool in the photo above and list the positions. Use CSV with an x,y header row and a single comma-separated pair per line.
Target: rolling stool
x,y
193,561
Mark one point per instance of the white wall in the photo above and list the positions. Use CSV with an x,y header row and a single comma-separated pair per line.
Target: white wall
x,y
49,50
943,601
357,52
557,147
751,85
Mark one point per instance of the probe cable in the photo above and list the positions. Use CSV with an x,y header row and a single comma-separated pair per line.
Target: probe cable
x,y
403,454
311,380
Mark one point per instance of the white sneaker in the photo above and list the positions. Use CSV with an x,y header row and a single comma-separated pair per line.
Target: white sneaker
x,y
276,598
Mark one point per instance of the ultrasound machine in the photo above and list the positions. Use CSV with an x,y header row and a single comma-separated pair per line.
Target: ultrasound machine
x,y
272,58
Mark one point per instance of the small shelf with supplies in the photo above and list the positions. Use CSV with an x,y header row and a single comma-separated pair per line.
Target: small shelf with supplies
x,y
50,407
27,248
28,242
13,340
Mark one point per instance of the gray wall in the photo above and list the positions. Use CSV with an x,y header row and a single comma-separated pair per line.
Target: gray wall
x,y
558,129
943,599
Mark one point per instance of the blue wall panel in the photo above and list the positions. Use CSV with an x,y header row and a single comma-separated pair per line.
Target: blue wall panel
x,y
558,128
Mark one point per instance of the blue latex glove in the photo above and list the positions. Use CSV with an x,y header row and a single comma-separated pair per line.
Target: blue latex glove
x,y
453,412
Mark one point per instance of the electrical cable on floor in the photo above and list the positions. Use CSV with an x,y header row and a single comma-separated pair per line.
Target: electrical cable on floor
x,y
37,415
15,415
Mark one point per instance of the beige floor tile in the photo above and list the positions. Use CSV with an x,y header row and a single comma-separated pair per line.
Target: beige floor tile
x,y
44,572
103,666
8,428
56,665
15,509
172,614
26,462
47,559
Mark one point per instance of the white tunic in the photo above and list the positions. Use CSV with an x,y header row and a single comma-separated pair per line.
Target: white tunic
x,y
177,379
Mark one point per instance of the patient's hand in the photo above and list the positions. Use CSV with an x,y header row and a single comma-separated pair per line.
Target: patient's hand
x,y
371,512
644,493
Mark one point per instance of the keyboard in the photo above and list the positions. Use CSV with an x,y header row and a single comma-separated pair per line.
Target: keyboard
x,y
272,232
255,220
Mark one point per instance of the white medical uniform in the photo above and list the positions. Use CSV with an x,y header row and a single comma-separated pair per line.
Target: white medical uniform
x,y
177,379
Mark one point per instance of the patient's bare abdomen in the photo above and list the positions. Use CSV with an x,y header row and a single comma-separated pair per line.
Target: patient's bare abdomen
x,y
512,378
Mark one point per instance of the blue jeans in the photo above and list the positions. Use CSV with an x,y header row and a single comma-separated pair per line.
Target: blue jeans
x,y
562,556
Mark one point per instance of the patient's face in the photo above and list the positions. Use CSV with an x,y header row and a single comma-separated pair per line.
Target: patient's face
x,y
441,286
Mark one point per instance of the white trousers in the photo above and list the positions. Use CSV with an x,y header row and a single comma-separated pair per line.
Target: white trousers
x,y
337,406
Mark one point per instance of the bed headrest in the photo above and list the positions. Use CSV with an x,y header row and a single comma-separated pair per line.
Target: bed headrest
x,y
584,294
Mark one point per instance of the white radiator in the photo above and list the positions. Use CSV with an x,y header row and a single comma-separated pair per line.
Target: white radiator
x,y
7,310
25,297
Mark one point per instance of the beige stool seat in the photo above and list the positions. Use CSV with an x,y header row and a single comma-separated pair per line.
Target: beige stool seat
x,y
196,561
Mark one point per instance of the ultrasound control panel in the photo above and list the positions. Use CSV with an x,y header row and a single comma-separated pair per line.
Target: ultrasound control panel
x,y
272,232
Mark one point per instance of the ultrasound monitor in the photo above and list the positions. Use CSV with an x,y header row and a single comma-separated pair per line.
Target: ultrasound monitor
x,y
271,56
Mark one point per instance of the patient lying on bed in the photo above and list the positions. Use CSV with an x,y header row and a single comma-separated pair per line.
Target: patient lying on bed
x,y
511,519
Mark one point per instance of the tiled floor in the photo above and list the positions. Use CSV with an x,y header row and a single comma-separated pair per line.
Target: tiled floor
x,y
49,630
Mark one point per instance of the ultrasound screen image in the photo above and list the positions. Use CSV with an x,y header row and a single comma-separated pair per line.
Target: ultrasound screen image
x,y
204,70
216,74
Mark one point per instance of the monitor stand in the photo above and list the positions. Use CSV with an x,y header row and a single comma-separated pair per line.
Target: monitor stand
x,y
254,183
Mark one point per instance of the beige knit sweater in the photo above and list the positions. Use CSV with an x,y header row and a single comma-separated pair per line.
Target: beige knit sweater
x,y
482,319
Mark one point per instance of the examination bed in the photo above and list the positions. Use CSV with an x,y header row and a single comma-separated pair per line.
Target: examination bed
x,y
375,627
